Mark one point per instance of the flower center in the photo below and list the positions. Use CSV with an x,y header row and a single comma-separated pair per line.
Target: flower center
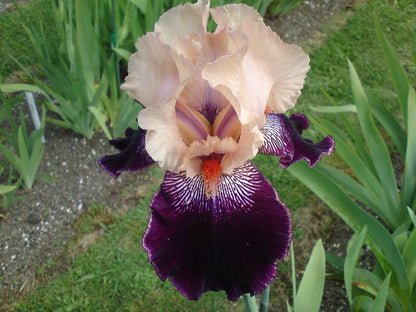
x,y
211,172
207,143
193,126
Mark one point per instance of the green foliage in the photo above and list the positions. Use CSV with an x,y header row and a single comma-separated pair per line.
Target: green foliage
x,y
282,7
14,42
309,295
24,152
374,184
355,38
8,190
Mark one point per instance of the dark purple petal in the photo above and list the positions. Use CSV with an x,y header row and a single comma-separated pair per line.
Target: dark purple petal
x,y
133,155
227,241
282,138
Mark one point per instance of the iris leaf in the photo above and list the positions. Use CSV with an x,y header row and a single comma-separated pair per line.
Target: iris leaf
x,y
353,251
380,301
378,238
409,185
309,295
376,145
409,256
400,81
351,108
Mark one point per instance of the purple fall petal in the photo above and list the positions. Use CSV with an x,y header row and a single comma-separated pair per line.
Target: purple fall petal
x,y
133,155
282,138
229,241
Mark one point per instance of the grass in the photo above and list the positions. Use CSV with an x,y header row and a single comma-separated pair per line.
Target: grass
x,y
114,274
357,42
14,42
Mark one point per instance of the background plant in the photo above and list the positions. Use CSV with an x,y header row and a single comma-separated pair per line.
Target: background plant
x,y
388,229
22,150
308,297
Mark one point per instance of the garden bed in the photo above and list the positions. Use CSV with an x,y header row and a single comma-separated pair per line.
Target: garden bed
x,y
41,234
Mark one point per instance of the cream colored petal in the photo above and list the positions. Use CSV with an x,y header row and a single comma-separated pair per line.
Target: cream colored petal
x,y
270,72
189,47
231,15
198,94
163,140
183,20
227,76
281,65
192,163
155,71
250,141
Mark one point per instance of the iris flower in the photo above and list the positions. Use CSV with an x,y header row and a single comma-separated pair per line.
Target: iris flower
x,y
212,102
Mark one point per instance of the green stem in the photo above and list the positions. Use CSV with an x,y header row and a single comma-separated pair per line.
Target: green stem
x,y
113,45
250,303
264,299
292,259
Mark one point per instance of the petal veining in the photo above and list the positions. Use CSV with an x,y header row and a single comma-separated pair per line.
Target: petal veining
x,y
282,138
229,241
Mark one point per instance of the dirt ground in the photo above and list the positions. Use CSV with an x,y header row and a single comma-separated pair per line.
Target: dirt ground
x,y
37,230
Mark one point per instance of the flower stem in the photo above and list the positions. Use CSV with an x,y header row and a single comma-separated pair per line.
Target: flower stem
x,y
264,299
250,303
292,259
113,45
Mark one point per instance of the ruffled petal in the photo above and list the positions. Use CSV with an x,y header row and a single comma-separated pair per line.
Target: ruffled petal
x,y
197,92
230,16
227,240
164,142
269,73
156,72
183,20
133,154
282,138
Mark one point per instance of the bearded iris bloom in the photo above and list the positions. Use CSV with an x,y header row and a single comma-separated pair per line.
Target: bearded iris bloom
x,y
212,101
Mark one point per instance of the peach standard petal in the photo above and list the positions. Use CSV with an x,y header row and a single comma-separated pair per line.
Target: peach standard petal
x,y
163,139
230,16
155,71
183,21
270,73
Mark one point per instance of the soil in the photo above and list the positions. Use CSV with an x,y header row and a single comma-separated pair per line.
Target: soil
x,y
37,231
